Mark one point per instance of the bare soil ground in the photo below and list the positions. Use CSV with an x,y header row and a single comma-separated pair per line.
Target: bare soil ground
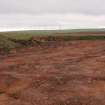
x,y
61,73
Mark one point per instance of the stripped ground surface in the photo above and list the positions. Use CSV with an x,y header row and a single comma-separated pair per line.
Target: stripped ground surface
x,y
61,73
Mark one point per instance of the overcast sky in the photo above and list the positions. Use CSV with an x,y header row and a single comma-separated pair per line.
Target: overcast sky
x,y
52,13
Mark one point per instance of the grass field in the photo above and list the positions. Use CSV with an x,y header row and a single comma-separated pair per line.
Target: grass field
x,y
12,40
75,32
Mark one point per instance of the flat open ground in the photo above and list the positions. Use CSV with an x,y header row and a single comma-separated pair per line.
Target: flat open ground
x,y
61,73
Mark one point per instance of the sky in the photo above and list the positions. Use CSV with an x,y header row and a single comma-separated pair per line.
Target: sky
x,y
51,14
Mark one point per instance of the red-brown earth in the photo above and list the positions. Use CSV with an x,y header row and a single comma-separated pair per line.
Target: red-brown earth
x,y
61,73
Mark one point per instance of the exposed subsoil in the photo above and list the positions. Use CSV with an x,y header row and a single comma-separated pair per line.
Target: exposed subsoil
x,y
61,73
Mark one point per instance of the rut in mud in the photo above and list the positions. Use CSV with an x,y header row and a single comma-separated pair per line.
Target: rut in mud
x,y
65,73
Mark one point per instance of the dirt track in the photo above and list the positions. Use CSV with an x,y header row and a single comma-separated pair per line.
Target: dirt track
x,y
68,73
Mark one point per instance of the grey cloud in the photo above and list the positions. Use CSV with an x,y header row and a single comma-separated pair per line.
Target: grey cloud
x,y
64,20
53,6
16,14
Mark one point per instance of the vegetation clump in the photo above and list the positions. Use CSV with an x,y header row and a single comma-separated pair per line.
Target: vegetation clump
x,y
6,44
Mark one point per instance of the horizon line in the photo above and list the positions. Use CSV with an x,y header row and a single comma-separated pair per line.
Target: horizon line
x,y
47,29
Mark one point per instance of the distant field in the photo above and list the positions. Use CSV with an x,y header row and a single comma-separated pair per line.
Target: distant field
x,y
12,40
74,32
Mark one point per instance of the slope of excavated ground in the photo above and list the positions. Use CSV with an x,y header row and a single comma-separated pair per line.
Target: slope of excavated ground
x,y
62,73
